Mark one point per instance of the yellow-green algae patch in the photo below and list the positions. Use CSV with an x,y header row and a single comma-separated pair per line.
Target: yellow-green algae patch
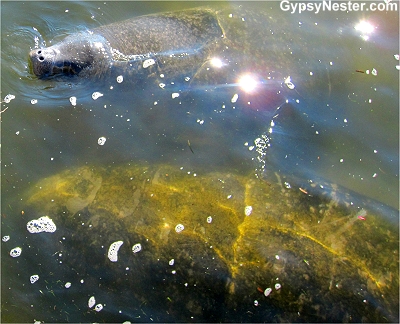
x,y
315,248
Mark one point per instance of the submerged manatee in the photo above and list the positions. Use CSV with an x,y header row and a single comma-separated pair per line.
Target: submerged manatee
x,y
241,236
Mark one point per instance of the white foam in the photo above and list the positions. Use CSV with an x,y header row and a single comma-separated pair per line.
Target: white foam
x,y
113,251
16,252
43,224
136,248
34,278
102,140
91,302
98,307
179,228
248,210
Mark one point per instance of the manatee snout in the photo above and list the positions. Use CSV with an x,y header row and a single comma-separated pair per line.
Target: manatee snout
x,y
42,61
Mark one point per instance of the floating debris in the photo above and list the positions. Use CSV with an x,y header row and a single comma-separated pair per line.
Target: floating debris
x,y
5,238
34,101
67,285
179,228
113,250
43,224
248,210
16,252
256,302
34,278
161,85
137,248
277,286
209,219
171,262
361,214
175,95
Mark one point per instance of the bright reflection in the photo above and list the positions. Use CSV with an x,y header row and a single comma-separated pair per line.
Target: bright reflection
x,y
247,83
364,27
216,62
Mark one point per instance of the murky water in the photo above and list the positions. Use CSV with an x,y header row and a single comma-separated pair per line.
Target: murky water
x,y
335,135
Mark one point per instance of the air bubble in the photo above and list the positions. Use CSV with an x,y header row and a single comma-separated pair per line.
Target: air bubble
x,y
96,95
137,248
102,140
34,101
209,219
171,262
91,302
179,228
113,251
72,100
248,210
67,285
148,63
234,98
267,292
277,286
98,307
120,78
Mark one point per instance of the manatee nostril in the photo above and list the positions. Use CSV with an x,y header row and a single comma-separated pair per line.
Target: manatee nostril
x,y
39,52
41,58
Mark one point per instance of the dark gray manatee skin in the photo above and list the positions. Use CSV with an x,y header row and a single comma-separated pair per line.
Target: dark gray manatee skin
x,y
183,39
174,44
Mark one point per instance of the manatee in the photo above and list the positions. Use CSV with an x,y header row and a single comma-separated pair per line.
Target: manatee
x,y
213,46
241,236
130,42
185,36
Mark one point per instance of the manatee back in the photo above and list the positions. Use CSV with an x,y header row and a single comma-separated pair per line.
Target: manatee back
x,y
171,32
